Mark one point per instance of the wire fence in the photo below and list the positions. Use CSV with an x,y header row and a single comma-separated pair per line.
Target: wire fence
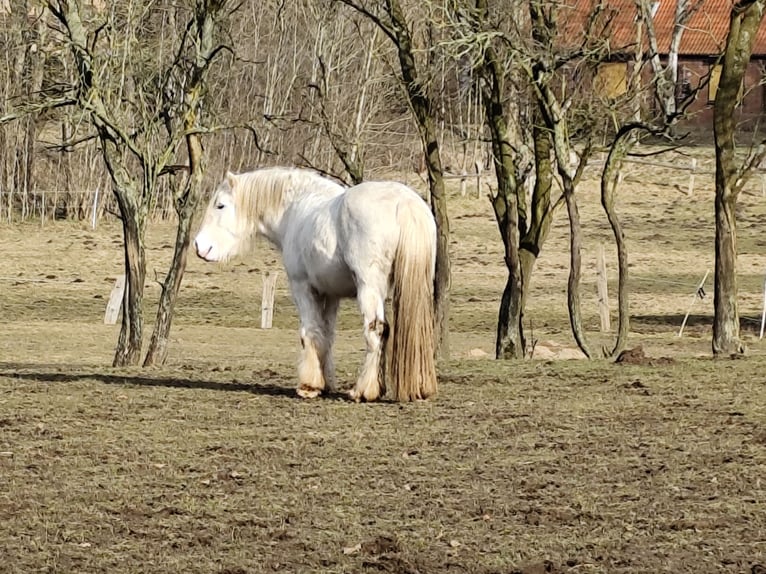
x,y
683,172
81,205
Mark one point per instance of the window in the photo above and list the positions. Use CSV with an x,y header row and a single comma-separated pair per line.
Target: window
x,y
611,80
712,86
763,86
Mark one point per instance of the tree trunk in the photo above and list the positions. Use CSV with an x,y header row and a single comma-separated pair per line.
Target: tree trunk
x,y
187,201
157,352
553,116
185,207
746,17
619,150
509,343
128,351
443,273
541,212
14,144
423,109
575,265
726,339
34,86
569,177
67,170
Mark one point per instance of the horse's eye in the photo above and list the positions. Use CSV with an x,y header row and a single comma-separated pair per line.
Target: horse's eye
x,y
219,206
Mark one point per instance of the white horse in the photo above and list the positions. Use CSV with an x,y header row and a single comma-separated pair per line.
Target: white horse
x,y
336,243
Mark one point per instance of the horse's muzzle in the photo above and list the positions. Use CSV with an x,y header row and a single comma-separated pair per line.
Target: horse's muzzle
x,y
200,253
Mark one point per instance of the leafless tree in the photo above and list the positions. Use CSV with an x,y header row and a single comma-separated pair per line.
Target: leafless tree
x,y
666,75
394,23
746,17
473,37
185,118
534,59
348,87
141,113
629,128
23,39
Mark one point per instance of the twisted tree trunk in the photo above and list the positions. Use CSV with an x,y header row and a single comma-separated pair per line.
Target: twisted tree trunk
x,y
746,17
128,350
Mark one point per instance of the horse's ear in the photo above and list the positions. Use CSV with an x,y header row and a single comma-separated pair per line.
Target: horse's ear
x,y
231,179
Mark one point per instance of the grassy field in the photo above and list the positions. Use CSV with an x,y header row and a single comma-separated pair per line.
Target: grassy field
x,y
211,465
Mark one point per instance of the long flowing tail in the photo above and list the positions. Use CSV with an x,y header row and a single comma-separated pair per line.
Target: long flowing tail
x,y
412,366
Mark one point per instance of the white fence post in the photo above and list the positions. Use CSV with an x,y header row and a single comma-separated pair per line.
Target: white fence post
x,y
763,314
692,168
603,291
267,300
697,293
115,301
95,210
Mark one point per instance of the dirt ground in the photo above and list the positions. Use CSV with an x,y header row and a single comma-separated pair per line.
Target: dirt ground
x,y
211,465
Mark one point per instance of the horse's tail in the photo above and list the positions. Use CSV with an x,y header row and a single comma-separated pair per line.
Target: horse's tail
x,y
412,363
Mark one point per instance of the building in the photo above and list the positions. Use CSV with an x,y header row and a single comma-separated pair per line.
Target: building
x,y
701,45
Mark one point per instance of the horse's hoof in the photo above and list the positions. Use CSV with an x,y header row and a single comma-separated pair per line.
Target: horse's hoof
x,y
308,392
366,396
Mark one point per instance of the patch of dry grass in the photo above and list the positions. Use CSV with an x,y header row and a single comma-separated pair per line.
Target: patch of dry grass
x,y
605,467
211,465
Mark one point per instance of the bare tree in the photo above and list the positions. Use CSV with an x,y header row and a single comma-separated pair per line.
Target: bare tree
x,y
556,112
346,90
629,127
140,116
196,52
394,23
24,41
508,163
535,56
666,75
746,17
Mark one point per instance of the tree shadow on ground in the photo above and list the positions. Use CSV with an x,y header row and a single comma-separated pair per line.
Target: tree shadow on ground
x,y
39,373
268,389
700,321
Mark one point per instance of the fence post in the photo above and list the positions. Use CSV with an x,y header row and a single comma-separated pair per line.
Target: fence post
x,y
699,293
115,301
692,167
603,290
477,163
267,300
763,314
95,210
462,183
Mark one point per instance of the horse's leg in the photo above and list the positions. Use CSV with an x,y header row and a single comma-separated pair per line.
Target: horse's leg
x,y
311,381
329,314
370,384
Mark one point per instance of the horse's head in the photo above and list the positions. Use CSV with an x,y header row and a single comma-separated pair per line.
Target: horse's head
x,y
220,234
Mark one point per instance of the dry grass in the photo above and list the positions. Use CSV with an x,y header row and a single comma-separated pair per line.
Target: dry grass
x,y
211,465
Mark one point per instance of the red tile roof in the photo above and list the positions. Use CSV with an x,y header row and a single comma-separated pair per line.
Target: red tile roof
x,y
705,33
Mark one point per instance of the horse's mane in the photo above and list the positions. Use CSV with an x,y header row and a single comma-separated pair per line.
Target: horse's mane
x,y
265,193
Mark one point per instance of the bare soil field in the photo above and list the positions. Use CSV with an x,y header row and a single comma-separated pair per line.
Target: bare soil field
x,y
210,464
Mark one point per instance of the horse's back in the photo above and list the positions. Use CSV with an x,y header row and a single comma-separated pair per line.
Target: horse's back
x,y
369,224
382,192
375,203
